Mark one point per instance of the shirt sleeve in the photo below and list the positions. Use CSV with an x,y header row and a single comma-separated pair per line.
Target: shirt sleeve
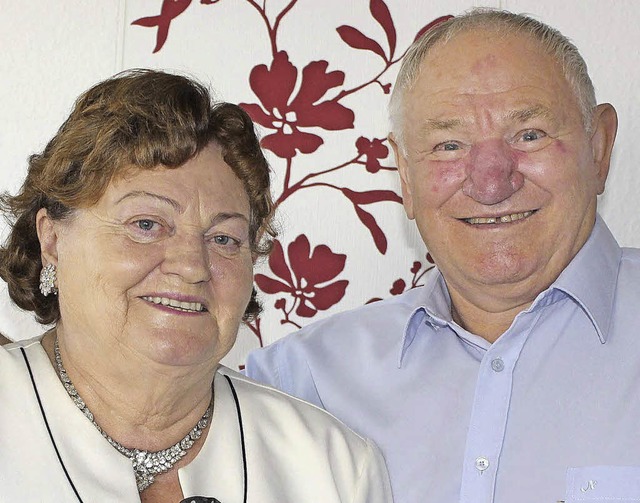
x,y
284,366
373,484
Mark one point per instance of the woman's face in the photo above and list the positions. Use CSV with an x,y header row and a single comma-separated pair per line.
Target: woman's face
x,y
161,266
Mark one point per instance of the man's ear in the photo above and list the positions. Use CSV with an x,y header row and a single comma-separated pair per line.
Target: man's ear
x,y
403,171
604,127
48,236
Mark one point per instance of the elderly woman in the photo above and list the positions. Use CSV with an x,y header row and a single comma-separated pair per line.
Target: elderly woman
x,y
135,235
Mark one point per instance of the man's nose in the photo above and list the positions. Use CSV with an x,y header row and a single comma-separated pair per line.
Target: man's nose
x,y
492,173
187,257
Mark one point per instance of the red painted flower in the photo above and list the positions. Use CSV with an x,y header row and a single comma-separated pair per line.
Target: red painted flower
x,y
274,87
373,150
311,273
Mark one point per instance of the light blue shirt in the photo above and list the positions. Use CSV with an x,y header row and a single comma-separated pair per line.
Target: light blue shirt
x,y
549,412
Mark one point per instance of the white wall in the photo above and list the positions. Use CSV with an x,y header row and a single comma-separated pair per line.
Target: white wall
x,y
52,51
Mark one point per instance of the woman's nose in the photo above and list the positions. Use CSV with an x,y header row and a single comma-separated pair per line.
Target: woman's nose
x,y
187,257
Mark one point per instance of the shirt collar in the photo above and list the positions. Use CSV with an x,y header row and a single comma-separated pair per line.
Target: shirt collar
x,y
434,309
590,280
592,276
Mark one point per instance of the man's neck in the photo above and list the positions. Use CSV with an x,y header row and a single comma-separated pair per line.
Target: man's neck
x,y
488,322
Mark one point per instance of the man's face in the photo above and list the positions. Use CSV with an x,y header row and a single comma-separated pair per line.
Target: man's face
x,y
499,171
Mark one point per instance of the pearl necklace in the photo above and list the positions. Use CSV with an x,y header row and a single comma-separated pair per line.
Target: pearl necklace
x,y
146,465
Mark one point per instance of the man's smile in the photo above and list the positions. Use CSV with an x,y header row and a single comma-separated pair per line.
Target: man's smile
x,y
504,219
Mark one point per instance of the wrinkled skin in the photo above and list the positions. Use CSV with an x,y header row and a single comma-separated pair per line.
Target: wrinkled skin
x,y
499,172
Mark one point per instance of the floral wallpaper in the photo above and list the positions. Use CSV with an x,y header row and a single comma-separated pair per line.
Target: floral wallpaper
x,y
298,104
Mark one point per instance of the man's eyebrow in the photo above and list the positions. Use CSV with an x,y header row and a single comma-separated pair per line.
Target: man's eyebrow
x,y
143,193
440,124
526,114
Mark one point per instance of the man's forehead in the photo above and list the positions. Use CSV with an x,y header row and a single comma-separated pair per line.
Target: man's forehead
x,y
516,115
484,61
484,48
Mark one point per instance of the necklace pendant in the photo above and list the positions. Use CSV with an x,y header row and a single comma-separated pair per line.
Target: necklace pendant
x,y
143,481
141,468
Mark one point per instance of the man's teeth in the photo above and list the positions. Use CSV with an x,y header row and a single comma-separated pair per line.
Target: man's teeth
x,y
499,220
190,307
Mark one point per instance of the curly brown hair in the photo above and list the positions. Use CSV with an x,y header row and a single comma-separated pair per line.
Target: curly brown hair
x,y
138,119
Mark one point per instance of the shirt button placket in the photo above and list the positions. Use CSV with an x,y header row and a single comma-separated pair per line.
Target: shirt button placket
x,y
487,428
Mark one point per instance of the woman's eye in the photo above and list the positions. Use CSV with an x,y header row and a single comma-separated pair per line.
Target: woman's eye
x,y
222,240
145,230
226,242
146,224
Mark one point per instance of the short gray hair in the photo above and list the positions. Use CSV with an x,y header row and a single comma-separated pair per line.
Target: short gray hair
x,y
551,40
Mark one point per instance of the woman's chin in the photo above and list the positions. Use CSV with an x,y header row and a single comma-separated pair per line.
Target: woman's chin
x,y
182,349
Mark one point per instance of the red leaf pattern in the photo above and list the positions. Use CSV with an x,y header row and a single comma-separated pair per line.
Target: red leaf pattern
x,y
433,23
370,223
358,40
380,12
170,10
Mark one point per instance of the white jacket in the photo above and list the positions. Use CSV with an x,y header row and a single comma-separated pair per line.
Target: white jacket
x,y
295,452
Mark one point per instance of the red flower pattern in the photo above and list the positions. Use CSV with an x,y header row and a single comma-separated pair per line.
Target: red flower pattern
x,y
274,87
306,280
373,151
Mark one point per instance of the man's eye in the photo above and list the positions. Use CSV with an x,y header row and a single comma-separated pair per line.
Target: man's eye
x,y
447,146
532,135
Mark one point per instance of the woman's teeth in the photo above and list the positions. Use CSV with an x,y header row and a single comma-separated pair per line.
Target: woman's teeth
x,y
191,307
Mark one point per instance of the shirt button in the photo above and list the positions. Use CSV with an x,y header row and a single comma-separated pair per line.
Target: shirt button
x,y
482,464
497,365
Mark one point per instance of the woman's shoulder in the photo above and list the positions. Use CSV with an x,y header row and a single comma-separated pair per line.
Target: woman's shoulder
x,y
15,355
15,346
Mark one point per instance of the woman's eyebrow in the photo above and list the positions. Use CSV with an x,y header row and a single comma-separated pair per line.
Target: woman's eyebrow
x,y
224,216
143,193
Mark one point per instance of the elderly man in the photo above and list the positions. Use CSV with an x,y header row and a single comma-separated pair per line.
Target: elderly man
x,y
512,375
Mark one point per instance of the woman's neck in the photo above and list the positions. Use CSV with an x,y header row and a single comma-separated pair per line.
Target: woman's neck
x,y
137,403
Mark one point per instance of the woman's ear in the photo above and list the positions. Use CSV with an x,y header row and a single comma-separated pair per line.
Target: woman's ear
x,y
47,230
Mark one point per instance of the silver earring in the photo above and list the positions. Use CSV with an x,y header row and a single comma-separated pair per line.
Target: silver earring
x,y
48,279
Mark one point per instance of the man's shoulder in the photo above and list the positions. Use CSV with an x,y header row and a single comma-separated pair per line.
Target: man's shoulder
x,y
631,255
381,317
392,311
294,362
286,409
629,275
